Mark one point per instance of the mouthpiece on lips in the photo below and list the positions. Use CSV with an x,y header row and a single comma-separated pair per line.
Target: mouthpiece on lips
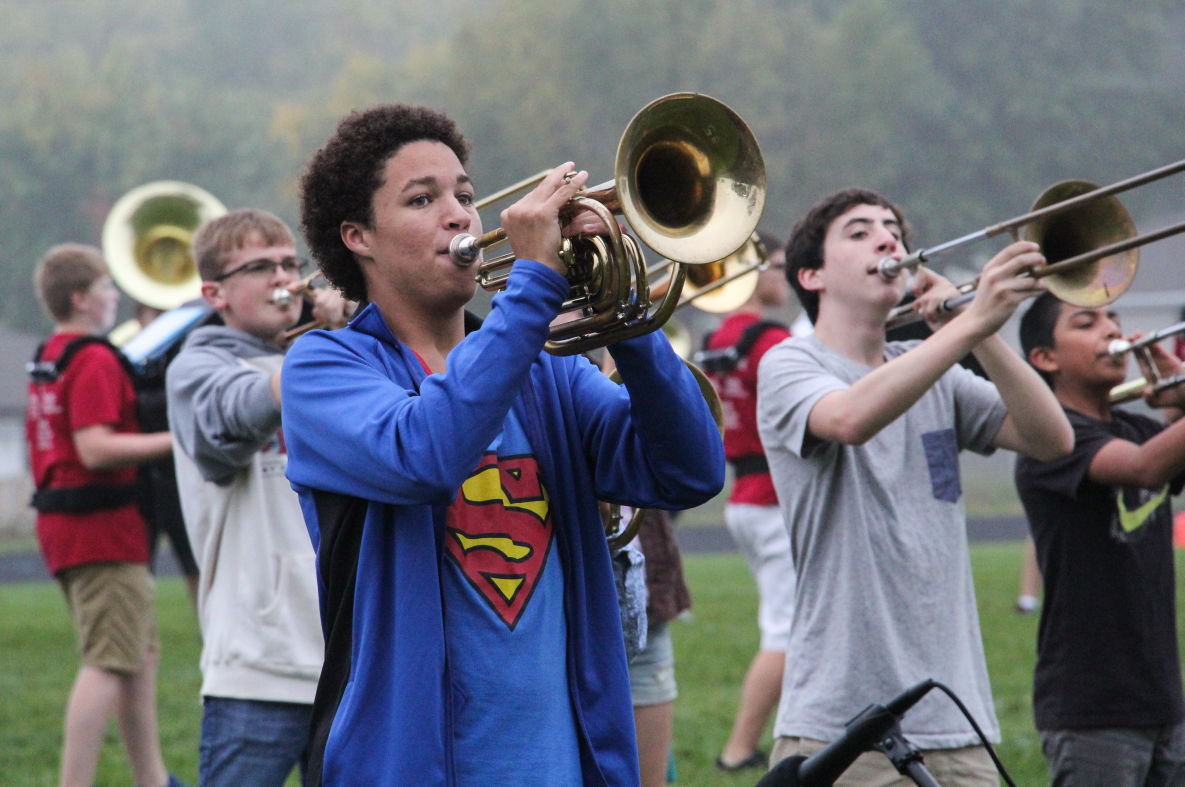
x,y
888,268
464,250
281,296
1118,347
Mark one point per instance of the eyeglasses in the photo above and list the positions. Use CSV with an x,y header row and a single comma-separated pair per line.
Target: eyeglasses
x,y
265,267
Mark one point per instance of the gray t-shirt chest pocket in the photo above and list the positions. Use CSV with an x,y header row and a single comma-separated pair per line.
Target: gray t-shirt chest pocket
x,y
942,457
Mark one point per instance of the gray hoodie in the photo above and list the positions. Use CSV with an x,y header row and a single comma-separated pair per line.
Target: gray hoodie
x,y
257,594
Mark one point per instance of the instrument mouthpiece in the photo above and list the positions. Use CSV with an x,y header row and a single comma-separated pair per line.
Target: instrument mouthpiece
x,y
464,250
1118,347
281,296
888,268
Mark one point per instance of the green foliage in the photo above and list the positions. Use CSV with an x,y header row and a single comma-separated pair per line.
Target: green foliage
x,y
961,112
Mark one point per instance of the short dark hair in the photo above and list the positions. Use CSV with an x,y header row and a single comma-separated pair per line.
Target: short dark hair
x,y
218,237
804,249
64,270
343,176
1036,327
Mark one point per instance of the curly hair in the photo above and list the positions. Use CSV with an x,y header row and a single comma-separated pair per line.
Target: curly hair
x,y
804,249
343,176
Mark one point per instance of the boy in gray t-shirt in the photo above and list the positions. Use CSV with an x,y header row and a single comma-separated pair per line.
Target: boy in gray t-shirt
x,y
862,438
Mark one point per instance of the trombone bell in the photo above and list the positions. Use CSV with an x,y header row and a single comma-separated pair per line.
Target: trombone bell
x,y
724,285
1092,225
146,239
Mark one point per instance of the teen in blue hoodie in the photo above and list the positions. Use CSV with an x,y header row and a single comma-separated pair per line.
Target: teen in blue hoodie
x,y
449,475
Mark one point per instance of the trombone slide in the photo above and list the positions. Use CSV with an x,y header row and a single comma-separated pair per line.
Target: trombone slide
x,y
1133,389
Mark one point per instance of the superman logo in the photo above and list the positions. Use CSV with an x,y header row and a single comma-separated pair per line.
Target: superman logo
x,y
499,532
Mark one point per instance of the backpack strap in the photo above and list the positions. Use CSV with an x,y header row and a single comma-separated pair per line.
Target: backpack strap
x,y
726,359
752,333
49,371
89,497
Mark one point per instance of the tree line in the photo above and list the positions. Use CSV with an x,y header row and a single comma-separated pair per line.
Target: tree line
x,y
961,112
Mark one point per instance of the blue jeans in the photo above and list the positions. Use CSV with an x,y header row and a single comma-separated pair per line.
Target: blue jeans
x,y
252,742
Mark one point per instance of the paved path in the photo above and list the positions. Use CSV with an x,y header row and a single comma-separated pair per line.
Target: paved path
x,y
28,567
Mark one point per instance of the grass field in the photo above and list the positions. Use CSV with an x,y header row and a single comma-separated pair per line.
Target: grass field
x,y
713,647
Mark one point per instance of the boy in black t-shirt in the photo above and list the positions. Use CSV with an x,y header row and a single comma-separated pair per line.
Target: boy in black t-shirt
x,y
1107,694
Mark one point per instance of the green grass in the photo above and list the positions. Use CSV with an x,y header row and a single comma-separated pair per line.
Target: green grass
x,y
713,648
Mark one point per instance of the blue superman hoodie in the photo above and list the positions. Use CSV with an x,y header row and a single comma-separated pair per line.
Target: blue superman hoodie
x,y
378,450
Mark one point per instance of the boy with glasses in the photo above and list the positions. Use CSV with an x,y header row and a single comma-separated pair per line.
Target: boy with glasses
x,y
257,595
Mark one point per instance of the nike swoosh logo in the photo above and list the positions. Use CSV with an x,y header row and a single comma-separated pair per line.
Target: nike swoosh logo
x,y
1130,520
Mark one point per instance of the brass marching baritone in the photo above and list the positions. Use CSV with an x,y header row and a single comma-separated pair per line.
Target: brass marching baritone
x,y
689,179
1087,236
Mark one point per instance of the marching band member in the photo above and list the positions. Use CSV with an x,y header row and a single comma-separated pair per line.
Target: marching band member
x,y
862,438
84,446
1107,697
449,475
257,595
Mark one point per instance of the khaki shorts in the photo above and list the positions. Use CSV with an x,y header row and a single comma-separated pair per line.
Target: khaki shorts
x,y
970,765
112,607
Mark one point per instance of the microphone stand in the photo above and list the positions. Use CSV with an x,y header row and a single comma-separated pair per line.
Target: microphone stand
x,y
905,757
875,727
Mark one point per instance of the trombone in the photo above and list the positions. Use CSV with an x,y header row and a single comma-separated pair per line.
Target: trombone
x,y
1132,389
1087,236
689,179
721,285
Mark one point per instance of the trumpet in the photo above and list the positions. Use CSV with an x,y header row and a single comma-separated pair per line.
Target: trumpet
x,y
1086,234
690,181
1132,389
282,296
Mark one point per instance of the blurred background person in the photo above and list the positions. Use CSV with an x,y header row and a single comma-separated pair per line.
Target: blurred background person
x,y
653,688
159,500
84,444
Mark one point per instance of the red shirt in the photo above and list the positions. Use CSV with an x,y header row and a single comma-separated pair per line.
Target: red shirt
x,y
738,395
94,389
